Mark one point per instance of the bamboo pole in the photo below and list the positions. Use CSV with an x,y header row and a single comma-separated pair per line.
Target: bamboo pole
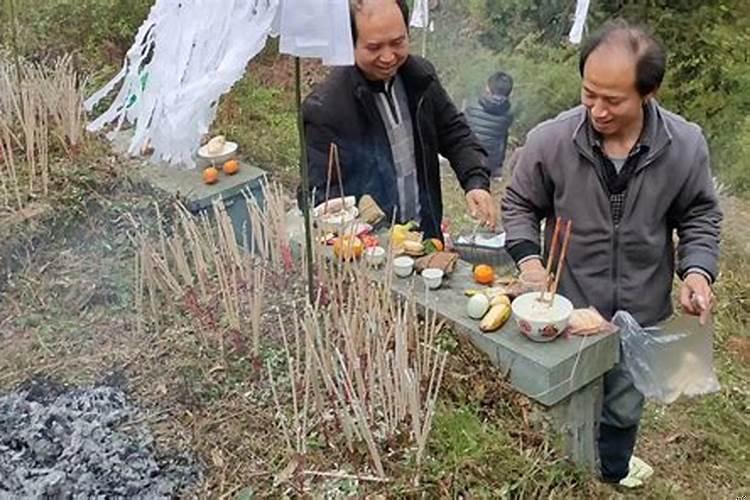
x,y
305,180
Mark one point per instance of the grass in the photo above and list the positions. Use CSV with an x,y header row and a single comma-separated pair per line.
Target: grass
x,y
482,445
65,313
263,121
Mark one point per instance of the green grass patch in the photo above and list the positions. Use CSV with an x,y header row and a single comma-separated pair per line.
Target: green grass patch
x,y
263,121
474,458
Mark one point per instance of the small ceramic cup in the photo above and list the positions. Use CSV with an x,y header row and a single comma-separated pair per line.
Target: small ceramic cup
x,y
432,277
403,266
375,256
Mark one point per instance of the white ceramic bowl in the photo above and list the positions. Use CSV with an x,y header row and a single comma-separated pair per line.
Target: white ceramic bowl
x,y
403,266
432,277
337,214
537,320
230,148
375,256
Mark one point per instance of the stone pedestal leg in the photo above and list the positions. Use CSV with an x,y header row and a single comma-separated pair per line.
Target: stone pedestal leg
x,y
576,418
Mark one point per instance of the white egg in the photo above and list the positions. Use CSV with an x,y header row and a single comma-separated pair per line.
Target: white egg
x,y
477,306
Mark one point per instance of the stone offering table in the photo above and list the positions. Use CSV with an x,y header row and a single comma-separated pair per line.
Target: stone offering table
x,y
187,186
564,376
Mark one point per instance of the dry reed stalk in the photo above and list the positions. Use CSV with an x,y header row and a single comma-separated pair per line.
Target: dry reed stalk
x,y
256,303
63,97
360,418
10,165
279,410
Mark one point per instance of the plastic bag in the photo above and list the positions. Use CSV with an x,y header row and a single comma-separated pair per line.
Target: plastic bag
x,y
668,362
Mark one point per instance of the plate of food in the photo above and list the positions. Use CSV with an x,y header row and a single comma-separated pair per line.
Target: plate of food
x,y
217,150
336,214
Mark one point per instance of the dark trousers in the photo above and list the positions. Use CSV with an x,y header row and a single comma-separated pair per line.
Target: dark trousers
x,y
621,413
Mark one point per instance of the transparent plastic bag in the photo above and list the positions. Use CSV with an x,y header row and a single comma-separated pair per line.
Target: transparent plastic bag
x,y
668,362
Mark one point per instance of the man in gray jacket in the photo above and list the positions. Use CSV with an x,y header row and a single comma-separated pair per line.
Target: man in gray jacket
x,y
628,173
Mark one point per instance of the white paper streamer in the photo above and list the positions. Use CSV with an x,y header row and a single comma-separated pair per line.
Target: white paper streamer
x,y
576,32
420,14
187,54
317,28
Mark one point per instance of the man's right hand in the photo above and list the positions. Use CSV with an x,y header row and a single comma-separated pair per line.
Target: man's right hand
x,y
533,276
531,265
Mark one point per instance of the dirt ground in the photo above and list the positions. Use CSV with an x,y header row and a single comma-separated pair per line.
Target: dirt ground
x,y
67,313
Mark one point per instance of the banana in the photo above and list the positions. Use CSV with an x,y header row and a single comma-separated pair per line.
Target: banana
x,y
500,299
495,318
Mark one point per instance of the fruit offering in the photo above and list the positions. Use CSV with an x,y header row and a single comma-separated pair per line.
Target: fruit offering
x,y
210,175
484,274
231,167
348,247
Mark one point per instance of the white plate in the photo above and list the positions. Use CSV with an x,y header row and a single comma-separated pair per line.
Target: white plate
x,y
230,148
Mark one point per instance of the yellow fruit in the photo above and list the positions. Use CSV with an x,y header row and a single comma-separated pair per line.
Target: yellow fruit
x,y
348,247
210,175
500,299
398,235
495,318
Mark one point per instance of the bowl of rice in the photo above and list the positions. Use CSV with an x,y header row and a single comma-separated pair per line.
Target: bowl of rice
x,y
541,321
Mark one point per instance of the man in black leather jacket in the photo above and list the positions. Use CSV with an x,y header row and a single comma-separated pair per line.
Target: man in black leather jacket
x,y
390,117
490,118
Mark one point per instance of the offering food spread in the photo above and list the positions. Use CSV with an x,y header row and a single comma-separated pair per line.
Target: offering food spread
x,y
540,313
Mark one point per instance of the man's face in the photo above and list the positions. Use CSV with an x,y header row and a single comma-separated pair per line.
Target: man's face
x,y
382,39
609,91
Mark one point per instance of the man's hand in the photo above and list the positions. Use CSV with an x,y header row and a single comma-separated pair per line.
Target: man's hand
x,y
696,297
531,266
533,277
482,207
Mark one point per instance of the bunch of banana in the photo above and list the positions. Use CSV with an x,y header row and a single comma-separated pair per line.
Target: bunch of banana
x,y
498,314
403,232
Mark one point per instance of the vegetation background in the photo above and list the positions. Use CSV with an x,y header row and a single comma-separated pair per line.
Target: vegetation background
x,y
700,448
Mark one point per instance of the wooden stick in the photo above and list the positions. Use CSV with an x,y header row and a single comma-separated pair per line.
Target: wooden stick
x,y
551,256
561,262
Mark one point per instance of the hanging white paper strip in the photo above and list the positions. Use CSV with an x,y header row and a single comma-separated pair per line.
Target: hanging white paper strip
x,y
187,54
576,32
420,14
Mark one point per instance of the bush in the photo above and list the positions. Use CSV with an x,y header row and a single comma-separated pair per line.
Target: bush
x,y
95,31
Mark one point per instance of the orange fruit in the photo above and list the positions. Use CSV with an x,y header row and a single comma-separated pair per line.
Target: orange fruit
x,y
231,167
438,244
348,247
484,274
210,175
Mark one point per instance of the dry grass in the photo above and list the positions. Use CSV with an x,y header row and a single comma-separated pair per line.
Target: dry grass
x,y
67,312
359,368
40,110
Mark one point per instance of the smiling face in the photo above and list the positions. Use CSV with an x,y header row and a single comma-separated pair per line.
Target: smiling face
x,y
609,91
382,39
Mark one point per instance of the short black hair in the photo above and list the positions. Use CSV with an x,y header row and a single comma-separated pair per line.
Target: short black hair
x,y
356,5
500,83
651,56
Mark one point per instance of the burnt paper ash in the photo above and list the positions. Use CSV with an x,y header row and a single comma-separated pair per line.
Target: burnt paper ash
x,y
60,443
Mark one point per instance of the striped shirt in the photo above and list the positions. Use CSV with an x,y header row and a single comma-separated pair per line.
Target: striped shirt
x,y
393,105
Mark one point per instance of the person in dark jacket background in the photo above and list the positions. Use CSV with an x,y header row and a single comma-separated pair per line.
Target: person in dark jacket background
x,y
390,117
490,118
